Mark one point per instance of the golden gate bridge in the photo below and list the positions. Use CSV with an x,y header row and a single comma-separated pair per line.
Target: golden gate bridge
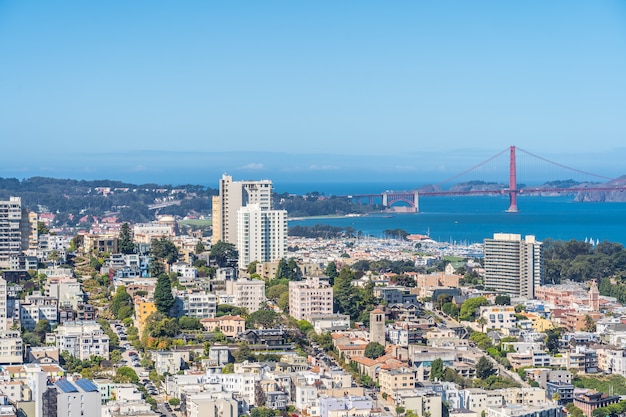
x,y
411,198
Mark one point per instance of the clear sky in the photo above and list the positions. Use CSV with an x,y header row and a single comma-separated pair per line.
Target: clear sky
x,y
318,90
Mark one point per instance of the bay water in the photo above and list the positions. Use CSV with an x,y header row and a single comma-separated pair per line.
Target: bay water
x,y
470,219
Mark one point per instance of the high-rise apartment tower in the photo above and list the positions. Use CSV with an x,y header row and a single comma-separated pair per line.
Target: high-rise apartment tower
x,y
512,265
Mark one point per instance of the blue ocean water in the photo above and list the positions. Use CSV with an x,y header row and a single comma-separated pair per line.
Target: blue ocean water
x,y
470,219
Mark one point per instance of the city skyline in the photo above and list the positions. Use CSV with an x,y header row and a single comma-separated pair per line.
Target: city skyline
x,y
320,92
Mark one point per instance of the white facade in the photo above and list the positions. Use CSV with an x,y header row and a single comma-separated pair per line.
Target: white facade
x,y
11,347
261,235
248,293
82,339
512,265
167,361
13,229
75,399
199,304
237,194
310,298
4,314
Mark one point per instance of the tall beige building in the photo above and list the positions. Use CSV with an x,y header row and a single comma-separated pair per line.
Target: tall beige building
x,y
513,265
233,196
15,230
310,298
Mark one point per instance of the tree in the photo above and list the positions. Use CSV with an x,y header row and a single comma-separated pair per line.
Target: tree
x,y
199,247
125,240
41,328
503,300
189,323
174,402
470,307
436,369
122,304
275,291
126,374
164,249
552,340
374,350
283,302
251,269
244,353
331,272
590,325
224,253
265,319
163,297
155,267
484,368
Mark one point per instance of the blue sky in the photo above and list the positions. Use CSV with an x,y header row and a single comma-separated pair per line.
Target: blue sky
x,y
308,91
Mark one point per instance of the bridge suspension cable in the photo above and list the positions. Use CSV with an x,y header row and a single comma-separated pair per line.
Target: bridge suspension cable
x,y
447,180
564,166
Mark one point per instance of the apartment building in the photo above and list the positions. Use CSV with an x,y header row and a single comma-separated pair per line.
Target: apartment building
x,y
513,265
82,339
11,347
247,293
261,235
310,298
233,196
15,230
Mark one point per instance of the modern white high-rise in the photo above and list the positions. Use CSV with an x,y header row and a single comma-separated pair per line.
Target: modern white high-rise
x,y
3,305
261,235
14,230
512,265
233,196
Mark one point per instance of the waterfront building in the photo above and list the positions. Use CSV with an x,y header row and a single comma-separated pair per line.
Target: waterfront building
x,y
513,266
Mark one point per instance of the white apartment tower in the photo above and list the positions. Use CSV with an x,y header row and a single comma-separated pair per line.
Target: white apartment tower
x,y
237,194
243,216
3,305
261,235
14,230
512,265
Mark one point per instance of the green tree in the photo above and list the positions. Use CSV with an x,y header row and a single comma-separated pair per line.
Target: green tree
x,y
41,328
244,353
275,291
120,300
552,339
283,302
174,402
251,268
503,300
331,272
470,307
163,297
155,267
590,325
374,350
189,323
164,249
126,374
125,240
224,253
199,247
484,368
436,369
265,319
